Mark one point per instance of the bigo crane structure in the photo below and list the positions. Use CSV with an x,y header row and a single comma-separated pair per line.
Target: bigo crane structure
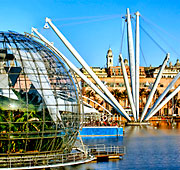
x,y
132,87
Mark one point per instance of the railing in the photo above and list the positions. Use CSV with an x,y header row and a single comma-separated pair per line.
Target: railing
x,y
102,149
40,160
47,160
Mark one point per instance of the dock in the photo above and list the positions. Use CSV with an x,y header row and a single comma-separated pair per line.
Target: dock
x,y
102,152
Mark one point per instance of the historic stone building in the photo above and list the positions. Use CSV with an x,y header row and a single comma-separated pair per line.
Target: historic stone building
x,y
112,77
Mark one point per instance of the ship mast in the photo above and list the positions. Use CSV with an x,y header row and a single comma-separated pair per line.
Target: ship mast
x,y
137,65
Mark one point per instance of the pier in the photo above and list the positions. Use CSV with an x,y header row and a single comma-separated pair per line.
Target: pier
x,y
102,152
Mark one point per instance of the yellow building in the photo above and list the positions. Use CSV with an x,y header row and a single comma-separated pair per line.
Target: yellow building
x,y
112,77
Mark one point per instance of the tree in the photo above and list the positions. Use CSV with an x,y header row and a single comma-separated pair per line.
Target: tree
x,y
116,93
142,94
125,97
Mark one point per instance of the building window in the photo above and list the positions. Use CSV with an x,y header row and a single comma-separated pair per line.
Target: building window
x,y
111,84
121,84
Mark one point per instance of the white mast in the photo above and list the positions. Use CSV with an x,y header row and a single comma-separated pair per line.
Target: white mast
x,y
163,95
75,69
128,87
131,53
164,102
88,69
154,87
137,65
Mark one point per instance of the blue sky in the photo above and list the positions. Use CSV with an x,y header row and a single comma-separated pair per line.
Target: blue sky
x,y
92,26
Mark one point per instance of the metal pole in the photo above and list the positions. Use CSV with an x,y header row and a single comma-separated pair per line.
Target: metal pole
x,y
172,105
77,71
104,109
137,65
164,94
85,151
88,69
154,86
131,53
164,102
125,76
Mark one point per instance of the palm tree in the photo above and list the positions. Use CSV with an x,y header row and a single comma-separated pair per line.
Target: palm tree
x,y
118,94
156,96
177,104
142,94
125,97
169,103
96,99
174,104
88,94
115,93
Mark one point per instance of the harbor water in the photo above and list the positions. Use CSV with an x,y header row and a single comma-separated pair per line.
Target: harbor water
x,y
147,148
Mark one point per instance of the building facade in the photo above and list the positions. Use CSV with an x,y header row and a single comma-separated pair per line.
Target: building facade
x,y
112,77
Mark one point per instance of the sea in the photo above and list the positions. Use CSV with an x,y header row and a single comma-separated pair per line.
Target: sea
x,y
154,147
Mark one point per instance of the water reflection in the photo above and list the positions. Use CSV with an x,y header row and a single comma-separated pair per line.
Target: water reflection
x,y
156,128
148,147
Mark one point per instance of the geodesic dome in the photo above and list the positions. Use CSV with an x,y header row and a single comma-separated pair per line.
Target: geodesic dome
x,y
39,105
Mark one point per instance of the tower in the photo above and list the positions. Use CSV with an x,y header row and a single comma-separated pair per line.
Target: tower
x,y
125,62
109,58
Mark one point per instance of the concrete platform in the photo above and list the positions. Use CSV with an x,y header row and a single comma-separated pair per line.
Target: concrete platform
x,y
138,124
102,152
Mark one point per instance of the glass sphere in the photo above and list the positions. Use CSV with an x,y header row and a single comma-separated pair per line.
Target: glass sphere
x,y
39,104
